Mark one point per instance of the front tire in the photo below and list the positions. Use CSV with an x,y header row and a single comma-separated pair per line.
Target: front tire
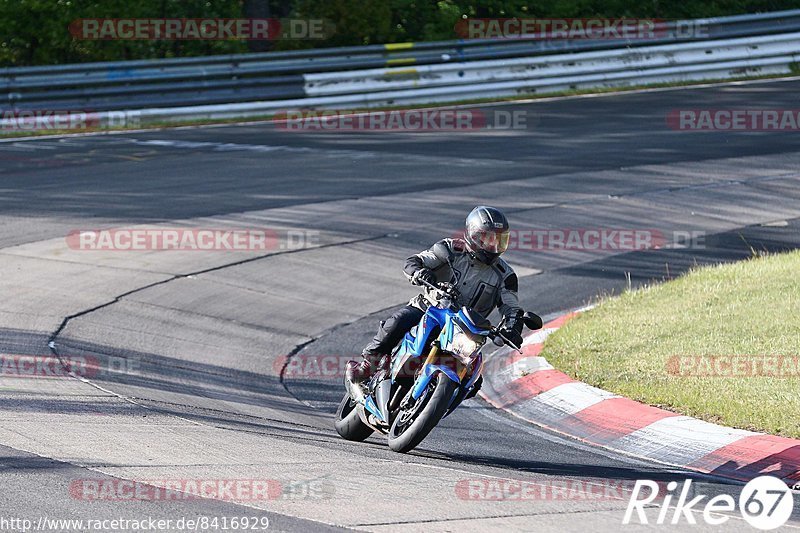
x,y
348,424
406,434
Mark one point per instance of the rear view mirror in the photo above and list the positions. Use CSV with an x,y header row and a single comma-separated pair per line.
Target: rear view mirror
x,y
532,320
441,251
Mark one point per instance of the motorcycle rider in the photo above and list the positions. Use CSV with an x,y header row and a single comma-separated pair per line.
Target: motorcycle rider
x,y
483,281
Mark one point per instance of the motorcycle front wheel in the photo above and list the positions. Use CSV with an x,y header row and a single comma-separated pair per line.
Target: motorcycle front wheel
x,y
412,425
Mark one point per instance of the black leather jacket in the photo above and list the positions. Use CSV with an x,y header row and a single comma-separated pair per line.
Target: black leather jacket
x,y
482,287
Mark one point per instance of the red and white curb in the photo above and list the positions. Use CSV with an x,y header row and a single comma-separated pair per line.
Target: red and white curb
x,y
527,386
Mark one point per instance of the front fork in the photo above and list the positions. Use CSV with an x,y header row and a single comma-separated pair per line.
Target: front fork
x,y
462,373
431,355
429,369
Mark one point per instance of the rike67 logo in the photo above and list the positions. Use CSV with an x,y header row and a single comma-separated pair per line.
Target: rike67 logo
x,y
766,503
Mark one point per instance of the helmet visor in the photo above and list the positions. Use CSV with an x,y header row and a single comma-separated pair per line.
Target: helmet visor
x,y
495,242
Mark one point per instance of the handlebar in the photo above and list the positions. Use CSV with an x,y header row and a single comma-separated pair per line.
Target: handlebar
x,y
450,294
494,332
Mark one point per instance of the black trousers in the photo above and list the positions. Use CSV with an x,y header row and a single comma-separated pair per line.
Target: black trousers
x,y
391,332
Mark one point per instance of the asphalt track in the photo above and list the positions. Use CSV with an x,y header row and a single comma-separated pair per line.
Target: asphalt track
x,y
198,343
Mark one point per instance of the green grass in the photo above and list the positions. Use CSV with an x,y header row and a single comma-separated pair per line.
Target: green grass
x,y
155,125
751,308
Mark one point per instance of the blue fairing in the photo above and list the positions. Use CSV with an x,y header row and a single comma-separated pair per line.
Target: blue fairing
x,y
415,342
442,324
464,320
475,375
427,374
369,404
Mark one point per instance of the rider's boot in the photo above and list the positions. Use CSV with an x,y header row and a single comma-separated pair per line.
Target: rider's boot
x,y
357,375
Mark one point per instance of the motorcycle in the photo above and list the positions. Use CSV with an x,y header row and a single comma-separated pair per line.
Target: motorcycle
x,y
406,406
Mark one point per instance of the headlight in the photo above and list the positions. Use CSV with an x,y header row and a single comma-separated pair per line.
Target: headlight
x,y
462,345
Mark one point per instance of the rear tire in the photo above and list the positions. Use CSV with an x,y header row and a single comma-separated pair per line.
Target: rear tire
x,y
348,424
404,437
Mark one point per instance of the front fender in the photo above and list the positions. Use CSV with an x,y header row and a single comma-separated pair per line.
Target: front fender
x,y
427,373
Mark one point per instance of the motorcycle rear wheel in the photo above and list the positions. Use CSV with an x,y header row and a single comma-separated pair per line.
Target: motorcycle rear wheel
x,y
348,424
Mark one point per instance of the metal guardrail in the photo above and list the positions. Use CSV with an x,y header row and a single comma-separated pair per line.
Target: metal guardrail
x,y
237,85
613,68
539,70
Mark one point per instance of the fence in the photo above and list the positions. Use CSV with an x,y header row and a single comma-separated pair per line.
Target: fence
x,y
408,73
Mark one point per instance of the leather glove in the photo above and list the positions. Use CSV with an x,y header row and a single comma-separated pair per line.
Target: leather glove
x,y
423,274
513,336
512,329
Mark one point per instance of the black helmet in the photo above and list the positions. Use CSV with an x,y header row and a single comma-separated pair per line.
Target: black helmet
x,y
486,233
